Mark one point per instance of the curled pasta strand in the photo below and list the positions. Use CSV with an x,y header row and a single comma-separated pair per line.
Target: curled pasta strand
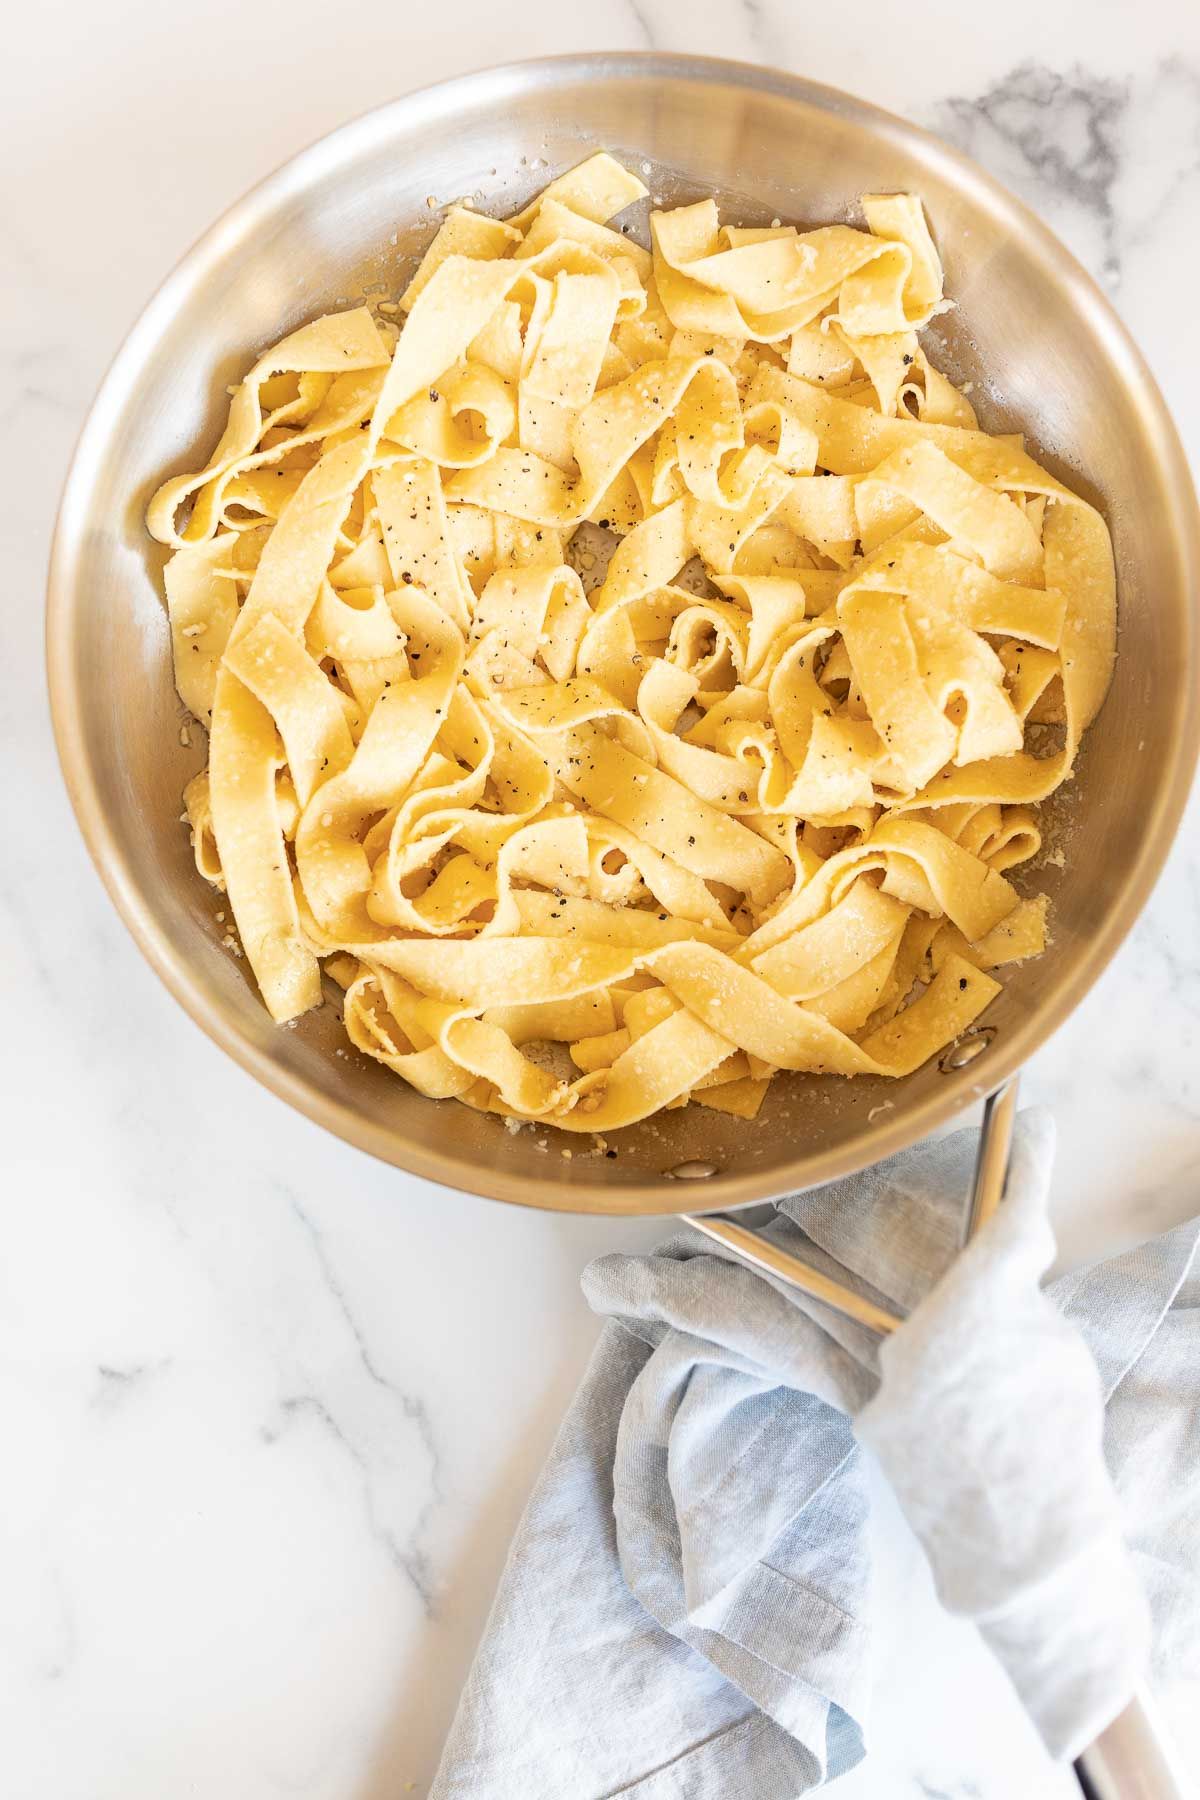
x,y
637,674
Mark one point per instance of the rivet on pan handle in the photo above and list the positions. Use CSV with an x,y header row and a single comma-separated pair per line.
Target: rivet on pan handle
x,y
1133,1758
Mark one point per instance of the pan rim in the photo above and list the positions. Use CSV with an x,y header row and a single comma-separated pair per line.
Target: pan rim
x,y
646,1195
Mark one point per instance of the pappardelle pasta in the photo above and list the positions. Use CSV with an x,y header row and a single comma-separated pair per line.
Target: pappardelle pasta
x,y
631,672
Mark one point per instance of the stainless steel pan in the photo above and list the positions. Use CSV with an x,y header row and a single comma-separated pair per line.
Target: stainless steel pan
x,y
1046,354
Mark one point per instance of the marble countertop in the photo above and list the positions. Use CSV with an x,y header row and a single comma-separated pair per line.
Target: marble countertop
x,y
270,1409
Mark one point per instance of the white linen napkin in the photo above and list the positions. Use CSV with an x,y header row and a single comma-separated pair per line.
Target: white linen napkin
x,y
686,1611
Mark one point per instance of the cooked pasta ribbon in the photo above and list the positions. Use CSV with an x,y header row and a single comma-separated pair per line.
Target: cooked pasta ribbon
x,y
636,673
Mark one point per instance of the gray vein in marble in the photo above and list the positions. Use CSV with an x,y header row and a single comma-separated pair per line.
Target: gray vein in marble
x,y
22,930
65,1631
32,377
1181,976
1162,153
410,1560
642,21
411,1557
116,1385
762,25
1050,132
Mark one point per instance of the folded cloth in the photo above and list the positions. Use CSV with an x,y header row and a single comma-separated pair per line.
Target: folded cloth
x,y
686,1611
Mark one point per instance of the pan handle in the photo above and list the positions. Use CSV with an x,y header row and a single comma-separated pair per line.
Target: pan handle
x,y
769,1259
1133,1758
992,1157
987,1191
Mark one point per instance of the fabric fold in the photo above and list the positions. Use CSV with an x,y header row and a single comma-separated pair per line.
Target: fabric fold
x,y
688,1610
